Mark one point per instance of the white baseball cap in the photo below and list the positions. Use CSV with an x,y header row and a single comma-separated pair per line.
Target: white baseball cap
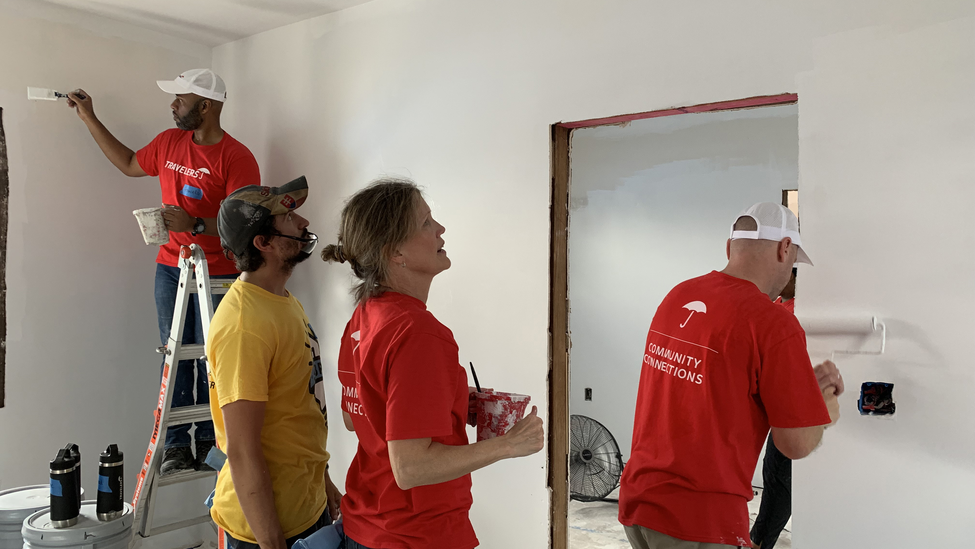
x,y
202,82
775,222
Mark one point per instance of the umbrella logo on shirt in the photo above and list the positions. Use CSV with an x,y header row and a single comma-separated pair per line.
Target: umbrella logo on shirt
x,y
694,307
204,170
355,336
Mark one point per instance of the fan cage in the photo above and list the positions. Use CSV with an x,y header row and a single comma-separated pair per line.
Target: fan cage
x,y
595,461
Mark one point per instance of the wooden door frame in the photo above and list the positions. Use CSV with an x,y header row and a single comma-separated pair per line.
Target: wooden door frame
x,y
559,340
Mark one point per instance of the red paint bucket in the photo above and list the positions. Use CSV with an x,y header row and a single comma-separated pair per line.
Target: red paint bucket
x,y
497,412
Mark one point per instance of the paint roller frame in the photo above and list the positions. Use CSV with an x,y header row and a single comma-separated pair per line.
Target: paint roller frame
x,y
847,326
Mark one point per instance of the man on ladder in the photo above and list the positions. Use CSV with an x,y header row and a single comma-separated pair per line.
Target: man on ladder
x,y
198,164
266,389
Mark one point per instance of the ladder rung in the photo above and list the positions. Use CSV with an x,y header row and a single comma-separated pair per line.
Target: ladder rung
x,y
191,352
184,476
177,525
188,414
217,285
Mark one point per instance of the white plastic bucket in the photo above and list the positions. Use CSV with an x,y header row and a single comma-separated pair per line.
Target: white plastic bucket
x,y
88,533
152,225
16,505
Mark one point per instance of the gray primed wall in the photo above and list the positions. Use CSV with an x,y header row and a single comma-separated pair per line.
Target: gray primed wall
x,y
81,318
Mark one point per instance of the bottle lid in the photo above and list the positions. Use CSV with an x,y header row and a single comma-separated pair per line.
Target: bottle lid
x,y
63,461
73,451
111,454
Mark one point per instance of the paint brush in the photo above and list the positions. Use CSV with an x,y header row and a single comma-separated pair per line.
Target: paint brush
x,y
473,373
45,94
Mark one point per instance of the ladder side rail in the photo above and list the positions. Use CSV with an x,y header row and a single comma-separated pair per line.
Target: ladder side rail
x,y
145,521
204,293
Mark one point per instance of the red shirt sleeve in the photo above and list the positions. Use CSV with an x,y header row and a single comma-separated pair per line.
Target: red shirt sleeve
x,y
788,388
243,171
422,388
148,156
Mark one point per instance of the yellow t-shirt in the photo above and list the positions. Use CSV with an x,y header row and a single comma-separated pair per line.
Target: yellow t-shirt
x,y
262,348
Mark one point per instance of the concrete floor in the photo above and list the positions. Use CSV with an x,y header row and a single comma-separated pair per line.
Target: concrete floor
x,y
595,526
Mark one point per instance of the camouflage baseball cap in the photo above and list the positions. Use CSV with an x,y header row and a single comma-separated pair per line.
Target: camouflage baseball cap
x,y
244,212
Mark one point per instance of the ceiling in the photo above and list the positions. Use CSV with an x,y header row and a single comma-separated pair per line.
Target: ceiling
x,y
208,22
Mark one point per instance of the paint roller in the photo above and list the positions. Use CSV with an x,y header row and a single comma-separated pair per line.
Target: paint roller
x,y
846,326
45,94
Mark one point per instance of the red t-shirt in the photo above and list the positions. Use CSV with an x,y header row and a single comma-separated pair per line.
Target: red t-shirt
x,y
789,305
722,363
197,178
401,379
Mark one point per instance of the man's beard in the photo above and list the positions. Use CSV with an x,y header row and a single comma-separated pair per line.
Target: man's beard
x,y
289,264
193,119
298,257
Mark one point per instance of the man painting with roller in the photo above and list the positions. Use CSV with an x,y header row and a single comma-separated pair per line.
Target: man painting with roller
x,y
198,165
722,365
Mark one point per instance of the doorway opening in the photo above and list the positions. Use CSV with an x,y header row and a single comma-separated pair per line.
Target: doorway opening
x,y
649,198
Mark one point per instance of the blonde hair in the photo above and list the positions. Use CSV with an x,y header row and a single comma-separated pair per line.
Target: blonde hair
x,y
375,221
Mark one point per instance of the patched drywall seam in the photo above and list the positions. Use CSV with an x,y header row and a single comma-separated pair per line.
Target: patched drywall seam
x,y
4,200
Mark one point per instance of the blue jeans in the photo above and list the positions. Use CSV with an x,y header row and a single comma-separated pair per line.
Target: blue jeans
x,y
167,283
323,521
351,544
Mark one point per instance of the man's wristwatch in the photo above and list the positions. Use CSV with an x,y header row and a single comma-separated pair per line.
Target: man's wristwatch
x,y
199,226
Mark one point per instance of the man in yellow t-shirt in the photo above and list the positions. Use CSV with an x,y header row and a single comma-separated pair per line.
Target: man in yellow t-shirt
x,y
266,391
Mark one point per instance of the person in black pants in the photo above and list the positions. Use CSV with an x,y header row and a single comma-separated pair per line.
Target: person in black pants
x,y
776,506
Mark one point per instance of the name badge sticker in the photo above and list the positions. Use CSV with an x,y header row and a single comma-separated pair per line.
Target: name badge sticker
x,y
191,192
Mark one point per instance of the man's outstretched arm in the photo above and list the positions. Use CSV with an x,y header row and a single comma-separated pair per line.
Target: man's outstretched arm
x,y
121,156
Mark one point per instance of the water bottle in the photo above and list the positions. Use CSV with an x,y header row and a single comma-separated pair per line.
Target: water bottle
x,y
64,490
109,504
75,453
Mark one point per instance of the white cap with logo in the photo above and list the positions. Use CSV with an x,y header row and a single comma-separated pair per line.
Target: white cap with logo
x,y
775,222
202,82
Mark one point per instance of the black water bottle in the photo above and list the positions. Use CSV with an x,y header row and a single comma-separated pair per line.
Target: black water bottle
x,y
64,492
75,453
109,505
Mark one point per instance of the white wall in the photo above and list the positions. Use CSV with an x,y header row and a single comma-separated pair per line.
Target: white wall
x,y
887,131
651,206
461,95
81,319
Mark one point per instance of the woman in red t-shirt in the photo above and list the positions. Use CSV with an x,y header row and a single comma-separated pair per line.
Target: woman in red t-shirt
x,y
404,392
